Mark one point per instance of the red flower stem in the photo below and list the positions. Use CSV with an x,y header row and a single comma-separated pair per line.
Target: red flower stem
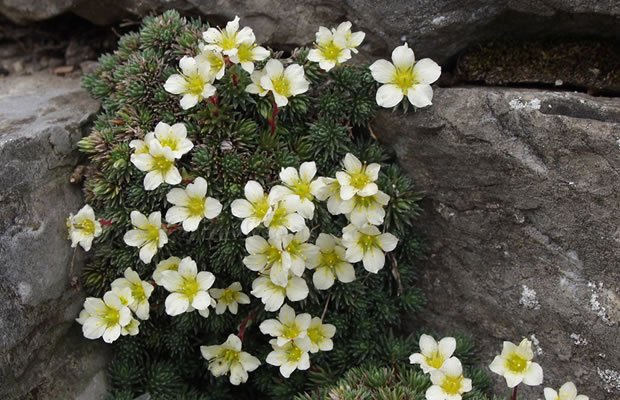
x,y
272,120
514,393
244,325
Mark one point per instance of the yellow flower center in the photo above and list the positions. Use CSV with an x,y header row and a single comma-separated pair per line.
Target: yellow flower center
x,y
294,248
329,258
273,255
244,52
295,353
87,226
331,51
261,207
161,163
230,356
367,242
452,384
290,331
279,217
190,288
435,360
195,84
215,62
515,363
151,234
111,317
228,297
229,41
359,179
301,189
281,85
170,141
124,300
196,206
404,79
315,335
137,291
365,202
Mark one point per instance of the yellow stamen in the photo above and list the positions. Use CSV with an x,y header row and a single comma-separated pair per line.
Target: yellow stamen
x,y
515,363
452,384
196,206
281,85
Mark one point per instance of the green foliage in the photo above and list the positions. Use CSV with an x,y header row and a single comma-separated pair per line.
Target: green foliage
x,y
233,143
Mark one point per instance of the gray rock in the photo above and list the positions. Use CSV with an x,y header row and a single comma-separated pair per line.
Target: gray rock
x,y
42,354
522,213
439,29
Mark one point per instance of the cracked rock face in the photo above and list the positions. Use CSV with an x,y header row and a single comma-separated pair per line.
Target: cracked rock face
x,y
522,213
42,354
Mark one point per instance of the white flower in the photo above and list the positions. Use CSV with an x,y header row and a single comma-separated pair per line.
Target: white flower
x,y
268,256
173,137
159,163
353,39
287,327
83,227
228,358
330,49
170,263
448,382
213,59
568,391
284,83
188,289
432,355
357,178
140,292
228,40
320,335
192,205
330,263
124,295
147,235
369,209
247,53
132,328
142,146
405,77
254,209
230,297
297,188
106,317
293,355
302,253
329,189
194,82
272,295
281,218
367,244
516,365
255,87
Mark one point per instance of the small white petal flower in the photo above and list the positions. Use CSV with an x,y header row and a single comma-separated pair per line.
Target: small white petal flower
x,y
106,318
448,382
357,178
189,289
268,257
354,39
284,83
124,295
159,163
287,326
272,295
192,205
140,292
330,49
516,365
173,137
330,263
293,355
228,40
329,189
568,391
253,208
194,82
147,235
247,54
367,244
228,358
432,354
297,188
405,77
320,335
301,252
132,328
255,87
369,209
170,263
281,218
83,227
142,146
229,298
213,60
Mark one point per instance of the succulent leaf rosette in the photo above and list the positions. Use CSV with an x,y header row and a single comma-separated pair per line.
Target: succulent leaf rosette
x,y
246,193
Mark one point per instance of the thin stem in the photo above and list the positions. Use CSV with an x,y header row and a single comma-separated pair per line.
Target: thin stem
x,y
325,308
396,273
244,325
514,393
272,120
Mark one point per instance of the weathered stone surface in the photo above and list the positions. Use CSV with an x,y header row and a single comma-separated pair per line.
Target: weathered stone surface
x,y
522,214
434,28
42,354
